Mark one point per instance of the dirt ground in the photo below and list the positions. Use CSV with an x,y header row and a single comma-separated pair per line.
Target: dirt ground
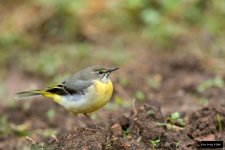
x,y
147,124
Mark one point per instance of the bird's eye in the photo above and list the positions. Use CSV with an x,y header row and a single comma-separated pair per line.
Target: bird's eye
x,y
100,72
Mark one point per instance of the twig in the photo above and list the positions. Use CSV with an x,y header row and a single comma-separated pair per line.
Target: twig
x,y
30,140
55,138
134,107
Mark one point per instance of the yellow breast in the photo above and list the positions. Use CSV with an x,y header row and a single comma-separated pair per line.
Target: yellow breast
x,y
103,94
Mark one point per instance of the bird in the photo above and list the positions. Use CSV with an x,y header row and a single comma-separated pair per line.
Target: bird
x,y
81,93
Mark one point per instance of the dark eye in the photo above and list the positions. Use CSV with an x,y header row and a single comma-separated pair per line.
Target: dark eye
x,y
100,72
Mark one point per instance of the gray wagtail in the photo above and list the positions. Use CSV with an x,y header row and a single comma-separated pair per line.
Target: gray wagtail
x,y
83,92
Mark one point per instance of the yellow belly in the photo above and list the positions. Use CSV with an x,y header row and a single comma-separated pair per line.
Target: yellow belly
x,y
103,93
98,95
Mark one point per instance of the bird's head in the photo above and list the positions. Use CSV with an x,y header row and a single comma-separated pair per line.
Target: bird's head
x,y
101,73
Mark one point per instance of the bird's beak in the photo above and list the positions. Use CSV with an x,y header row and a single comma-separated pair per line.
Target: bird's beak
x,y
112,69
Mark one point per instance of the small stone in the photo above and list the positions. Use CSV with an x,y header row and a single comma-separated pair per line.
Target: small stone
x,y
116,130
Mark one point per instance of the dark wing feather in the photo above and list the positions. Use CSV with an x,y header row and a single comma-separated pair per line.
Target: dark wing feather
x,y
76,88
74,84
57,90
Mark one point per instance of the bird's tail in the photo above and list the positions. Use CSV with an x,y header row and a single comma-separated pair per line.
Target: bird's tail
x,y
28,94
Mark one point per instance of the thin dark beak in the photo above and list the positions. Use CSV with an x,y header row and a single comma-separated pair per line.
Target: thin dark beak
x,y
112,69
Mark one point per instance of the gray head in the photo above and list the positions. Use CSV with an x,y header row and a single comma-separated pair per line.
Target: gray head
x,y
96,73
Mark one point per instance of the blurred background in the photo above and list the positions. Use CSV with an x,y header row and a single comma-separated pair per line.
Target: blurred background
x,y
41,41
169,51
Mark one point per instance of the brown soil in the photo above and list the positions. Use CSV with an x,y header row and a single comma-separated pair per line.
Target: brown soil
x,y
132,128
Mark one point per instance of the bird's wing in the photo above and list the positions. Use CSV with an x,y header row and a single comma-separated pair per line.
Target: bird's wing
x,y
77,86
67,87
74,84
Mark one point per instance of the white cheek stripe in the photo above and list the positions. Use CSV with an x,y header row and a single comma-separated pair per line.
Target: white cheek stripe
x,y
105,78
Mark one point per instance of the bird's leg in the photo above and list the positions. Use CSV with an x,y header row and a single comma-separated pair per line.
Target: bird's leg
x,y
88,117
81,124
96,126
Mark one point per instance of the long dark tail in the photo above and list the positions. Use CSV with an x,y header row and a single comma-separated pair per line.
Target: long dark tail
x,y
28,94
